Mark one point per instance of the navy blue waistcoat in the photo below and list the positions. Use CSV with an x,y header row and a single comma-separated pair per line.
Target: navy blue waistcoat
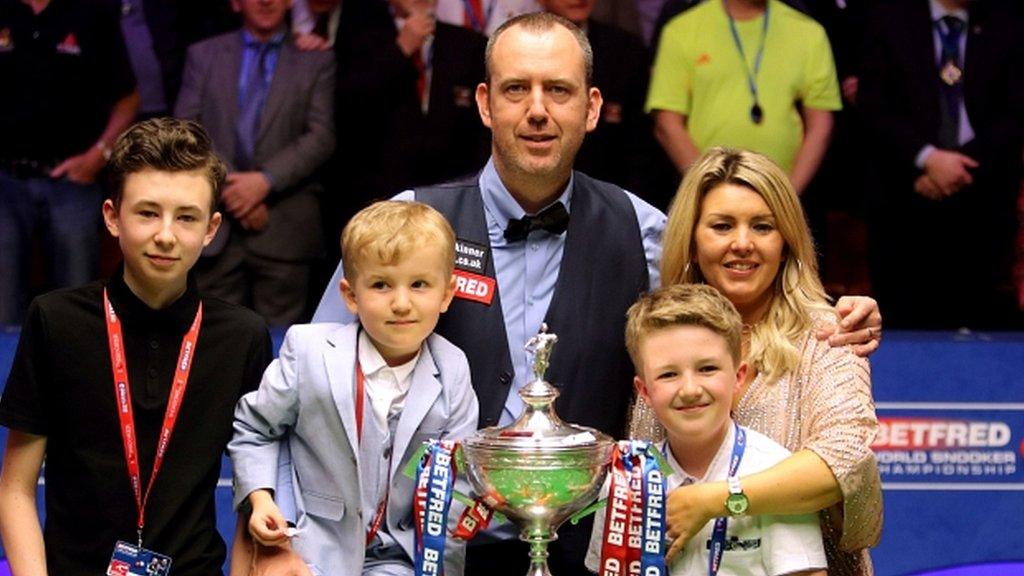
x,y
602,273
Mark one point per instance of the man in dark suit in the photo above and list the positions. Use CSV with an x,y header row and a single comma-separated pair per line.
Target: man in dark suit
x,y
942,89
268,108
405,102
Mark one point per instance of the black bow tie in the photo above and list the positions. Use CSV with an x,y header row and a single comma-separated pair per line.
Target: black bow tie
x,y
554,219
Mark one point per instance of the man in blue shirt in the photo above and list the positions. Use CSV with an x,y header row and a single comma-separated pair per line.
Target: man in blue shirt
x,y
538,106
538,242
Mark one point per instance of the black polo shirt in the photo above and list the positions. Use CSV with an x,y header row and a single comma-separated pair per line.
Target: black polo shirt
x,y
61,387
62,71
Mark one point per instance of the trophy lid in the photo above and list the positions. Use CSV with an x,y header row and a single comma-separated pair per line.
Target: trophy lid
x,y
539,427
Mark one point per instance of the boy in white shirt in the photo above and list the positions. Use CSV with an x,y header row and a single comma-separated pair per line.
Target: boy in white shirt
x,y
684,341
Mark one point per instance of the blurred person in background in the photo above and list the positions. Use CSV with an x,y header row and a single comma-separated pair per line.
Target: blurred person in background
x,y
269,110
69,92
942,92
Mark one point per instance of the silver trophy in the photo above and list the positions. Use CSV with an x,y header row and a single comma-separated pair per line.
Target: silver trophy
x,y
538,470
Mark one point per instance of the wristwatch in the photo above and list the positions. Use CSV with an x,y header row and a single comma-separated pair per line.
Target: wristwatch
x,y
737,502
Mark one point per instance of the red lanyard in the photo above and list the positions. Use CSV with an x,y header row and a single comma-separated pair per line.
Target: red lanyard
x,y
378,517
122,391
360,391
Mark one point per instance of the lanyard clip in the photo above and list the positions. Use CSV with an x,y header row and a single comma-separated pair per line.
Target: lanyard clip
x,y
140,537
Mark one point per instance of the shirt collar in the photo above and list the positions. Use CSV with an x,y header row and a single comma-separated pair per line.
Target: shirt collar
x,y
132,311
938,11
499,201
371,362
248,40
332,23
717,469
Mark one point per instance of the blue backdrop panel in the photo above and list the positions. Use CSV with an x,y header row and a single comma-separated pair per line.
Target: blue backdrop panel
x,y
951,408
941,397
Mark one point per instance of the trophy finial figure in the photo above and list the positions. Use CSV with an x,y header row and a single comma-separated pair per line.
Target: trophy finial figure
x,y
540,346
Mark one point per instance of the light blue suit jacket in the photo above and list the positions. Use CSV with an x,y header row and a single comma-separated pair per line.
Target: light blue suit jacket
x,y
306,399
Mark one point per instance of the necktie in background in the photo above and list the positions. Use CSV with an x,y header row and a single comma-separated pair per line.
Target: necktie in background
x,y
951,72
421,73
254,94
473,16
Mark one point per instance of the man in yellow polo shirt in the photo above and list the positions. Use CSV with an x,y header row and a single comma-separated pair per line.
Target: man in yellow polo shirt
x,y
753,74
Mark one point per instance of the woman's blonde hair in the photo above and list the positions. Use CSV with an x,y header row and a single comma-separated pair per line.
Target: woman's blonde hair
x,y
798,293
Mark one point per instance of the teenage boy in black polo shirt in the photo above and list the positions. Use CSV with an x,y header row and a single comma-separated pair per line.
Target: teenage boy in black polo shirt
x,y
63,399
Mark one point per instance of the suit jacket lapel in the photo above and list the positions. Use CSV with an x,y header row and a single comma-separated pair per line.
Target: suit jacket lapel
x,y
225,94
423,392
340,360
922,34
974,58
280,86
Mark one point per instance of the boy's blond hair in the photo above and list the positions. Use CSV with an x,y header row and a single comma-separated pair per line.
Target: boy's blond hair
x,y
682,305
387,231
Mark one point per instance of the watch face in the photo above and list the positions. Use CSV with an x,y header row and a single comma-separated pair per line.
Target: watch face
x,y
737,504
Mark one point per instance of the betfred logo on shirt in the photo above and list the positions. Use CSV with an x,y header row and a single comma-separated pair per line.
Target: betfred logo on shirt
x,y
475,287
69,45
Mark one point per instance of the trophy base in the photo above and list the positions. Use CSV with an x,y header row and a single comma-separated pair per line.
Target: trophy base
x,y
538,553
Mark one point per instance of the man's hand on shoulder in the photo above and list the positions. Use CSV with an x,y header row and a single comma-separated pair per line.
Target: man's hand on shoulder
x,y
860,325
415,31
311,43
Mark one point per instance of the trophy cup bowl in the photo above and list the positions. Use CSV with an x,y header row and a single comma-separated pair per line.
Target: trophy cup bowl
x,y
538,470
538,489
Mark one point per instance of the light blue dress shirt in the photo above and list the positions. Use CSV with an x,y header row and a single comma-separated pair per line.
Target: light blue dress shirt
x,y
250,58
527,271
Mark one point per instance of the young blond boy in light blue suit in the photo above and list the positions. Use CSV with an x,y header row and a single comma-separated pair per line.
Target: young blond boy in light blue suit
x,y
346,464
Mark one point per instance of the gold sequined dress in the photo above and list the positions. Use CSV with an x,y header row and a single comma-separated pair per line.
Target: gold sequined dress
x,y
826,407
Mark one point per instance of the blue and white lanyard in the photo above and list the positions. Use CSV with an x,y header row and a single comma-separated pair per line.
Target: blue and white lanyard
x,y
718,535
756,114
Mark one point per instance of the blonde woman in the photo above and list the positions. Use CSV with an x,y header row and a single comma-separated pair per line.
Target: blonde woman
x,y
737,224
